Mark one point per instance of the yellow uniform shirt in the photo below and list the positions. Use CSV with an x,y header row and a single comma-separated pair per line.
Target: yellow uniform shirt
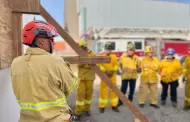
x,y
41,84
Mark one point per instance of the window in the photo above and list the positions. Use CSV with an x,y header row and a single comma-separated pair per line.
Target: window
x,y
99,47
112,45
138,45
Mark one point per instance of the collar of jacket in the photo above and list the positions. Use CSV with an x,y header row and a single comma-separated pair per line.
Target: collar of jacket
x,y
36,51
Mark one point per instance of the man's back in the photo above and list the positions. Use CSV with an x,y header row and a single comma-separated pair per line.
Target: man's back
x,y
41,83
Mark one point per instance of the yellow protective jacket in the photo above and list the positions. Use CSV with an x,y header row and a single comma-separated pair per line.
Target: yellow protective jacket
x,y
112,66
172,69
41,84
84,70
149,67
186,70
130,63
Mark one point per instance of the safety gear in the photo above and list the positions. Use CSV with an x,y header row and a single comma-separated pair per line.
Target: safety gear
x,y
44,74
141,105
163,102
130,46
103,99
149,79
108,46
115,109
154,106
37,28
109,73
149,67
149,49
101,110
85,87
174,104
83,43
131,64
170,51
187,85
172,70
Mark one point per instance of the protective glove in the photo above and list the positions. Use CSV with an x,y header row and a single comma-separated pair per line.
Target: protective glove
x,y
184,79
109,73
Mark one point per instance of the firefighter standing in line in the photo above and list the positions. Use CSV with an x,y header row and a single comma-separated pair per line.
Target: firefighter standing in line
x,y
187,84
129,66
149,78
85,88
110,69
170,70
41,81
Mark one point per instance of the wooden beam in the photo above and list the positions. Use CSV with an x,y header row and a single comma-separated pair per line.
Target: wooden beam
x,y
17,40
87,59
136,120
97,70
26,6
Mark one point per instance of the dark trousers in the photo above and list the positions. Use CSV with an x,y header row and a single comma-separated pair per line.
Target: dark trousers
x,y
124,86
173,90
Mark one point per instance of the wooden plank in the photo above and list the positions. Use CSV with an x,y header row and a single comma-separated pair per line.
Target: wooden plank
x,y
6,41
17,40
136,120
26,6
97,70
87,59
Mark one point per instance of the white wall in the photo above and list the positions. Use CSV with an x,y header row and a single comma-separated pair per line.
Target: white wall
x,y
9,109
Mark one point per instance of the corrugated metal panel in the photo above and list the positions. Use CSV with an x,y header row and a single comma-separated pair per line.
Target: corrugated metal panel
x,y
136,13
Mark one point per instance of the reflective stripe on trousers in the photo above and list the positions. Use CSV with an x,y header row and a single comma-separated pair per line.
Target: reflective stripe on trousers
x,y
42,105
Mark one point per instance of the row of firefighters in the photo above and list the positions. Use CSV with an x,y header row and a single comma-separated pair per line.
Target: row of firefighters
x,y
42,82
170,69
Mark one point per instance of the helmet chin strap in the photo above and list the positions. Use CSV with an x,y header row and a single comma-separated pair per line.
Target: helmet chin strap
x,y
51,47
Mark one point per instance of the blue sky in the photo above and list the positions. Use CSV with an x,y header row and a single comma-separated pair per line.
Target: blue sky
x,y
179,1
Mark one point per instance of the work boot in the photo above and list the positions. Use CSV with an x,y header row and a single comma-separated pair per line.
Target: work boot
x,y
87,113
141,105
76,117
154,106
174,104
115,109
186,108
101,110
163,102
119,104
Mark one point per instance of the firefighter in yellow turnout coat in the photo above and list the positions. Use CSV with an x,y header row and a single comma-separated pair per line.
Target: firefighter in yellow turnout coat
x,y
85,88
187,85
110,69
129,67
149,78
170,70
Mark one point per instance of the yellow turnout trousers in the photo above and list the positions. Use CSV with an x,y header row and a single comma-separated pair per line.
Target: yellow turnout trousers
x,y
187,94
84,96
103,100
143,91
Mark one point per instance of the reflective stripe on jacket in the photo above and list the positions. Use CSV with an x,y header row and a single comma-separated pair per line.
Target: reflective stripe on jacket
x,y
41,84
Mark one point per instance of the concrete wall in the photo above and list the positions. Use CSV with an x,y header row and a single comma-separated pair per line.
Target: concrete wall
x,y
136,13
9,108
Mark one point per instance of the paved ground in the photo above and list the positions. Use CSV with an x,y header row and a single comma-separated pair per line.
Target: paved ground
x,y
164,114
